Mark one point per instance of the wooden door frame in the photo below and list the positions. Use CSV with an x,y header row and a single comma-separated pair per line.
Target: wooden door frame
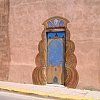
x,y
39,73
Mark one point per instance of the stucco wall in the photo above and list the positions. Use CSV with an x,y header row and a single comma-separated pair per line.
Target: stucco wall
x,y
25,28
4,40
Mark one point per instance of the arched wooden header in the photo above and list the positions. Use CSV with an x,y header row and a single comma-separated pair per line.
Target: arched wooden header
x,y
55,22
39,75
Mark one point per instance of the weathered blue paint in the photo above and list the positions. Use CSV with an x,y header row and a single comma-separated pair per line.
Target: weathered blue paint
x,y
56,48
53,34
55,22
61,23
49,24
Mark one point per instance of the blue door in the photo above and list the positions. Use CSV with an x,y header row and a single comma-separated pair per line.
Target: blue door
x,y
55,57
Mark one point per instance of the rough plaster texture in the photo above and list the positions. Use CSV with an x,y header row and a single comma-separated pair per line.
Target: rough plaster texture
x,y
4,40
25,28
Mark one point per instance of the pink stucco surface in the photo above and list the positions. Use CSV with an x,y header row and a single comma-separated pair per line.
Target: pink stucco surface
x,y
25,28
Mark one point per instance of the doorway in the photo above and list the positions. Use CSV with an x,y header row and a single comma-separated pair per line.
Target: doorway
x,y
55,57
56,61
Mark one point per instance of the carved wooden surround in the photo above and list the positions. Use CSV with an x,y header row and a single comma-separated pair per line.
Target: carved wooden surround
x,y
39,73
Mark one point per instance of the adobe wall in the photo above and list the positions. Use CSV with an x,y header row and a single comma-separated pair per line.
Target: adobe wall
x,y
4,40
25,28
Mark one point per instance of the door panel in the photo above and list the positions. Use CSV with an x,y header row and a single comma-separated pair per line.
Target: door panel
x,y
55,56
